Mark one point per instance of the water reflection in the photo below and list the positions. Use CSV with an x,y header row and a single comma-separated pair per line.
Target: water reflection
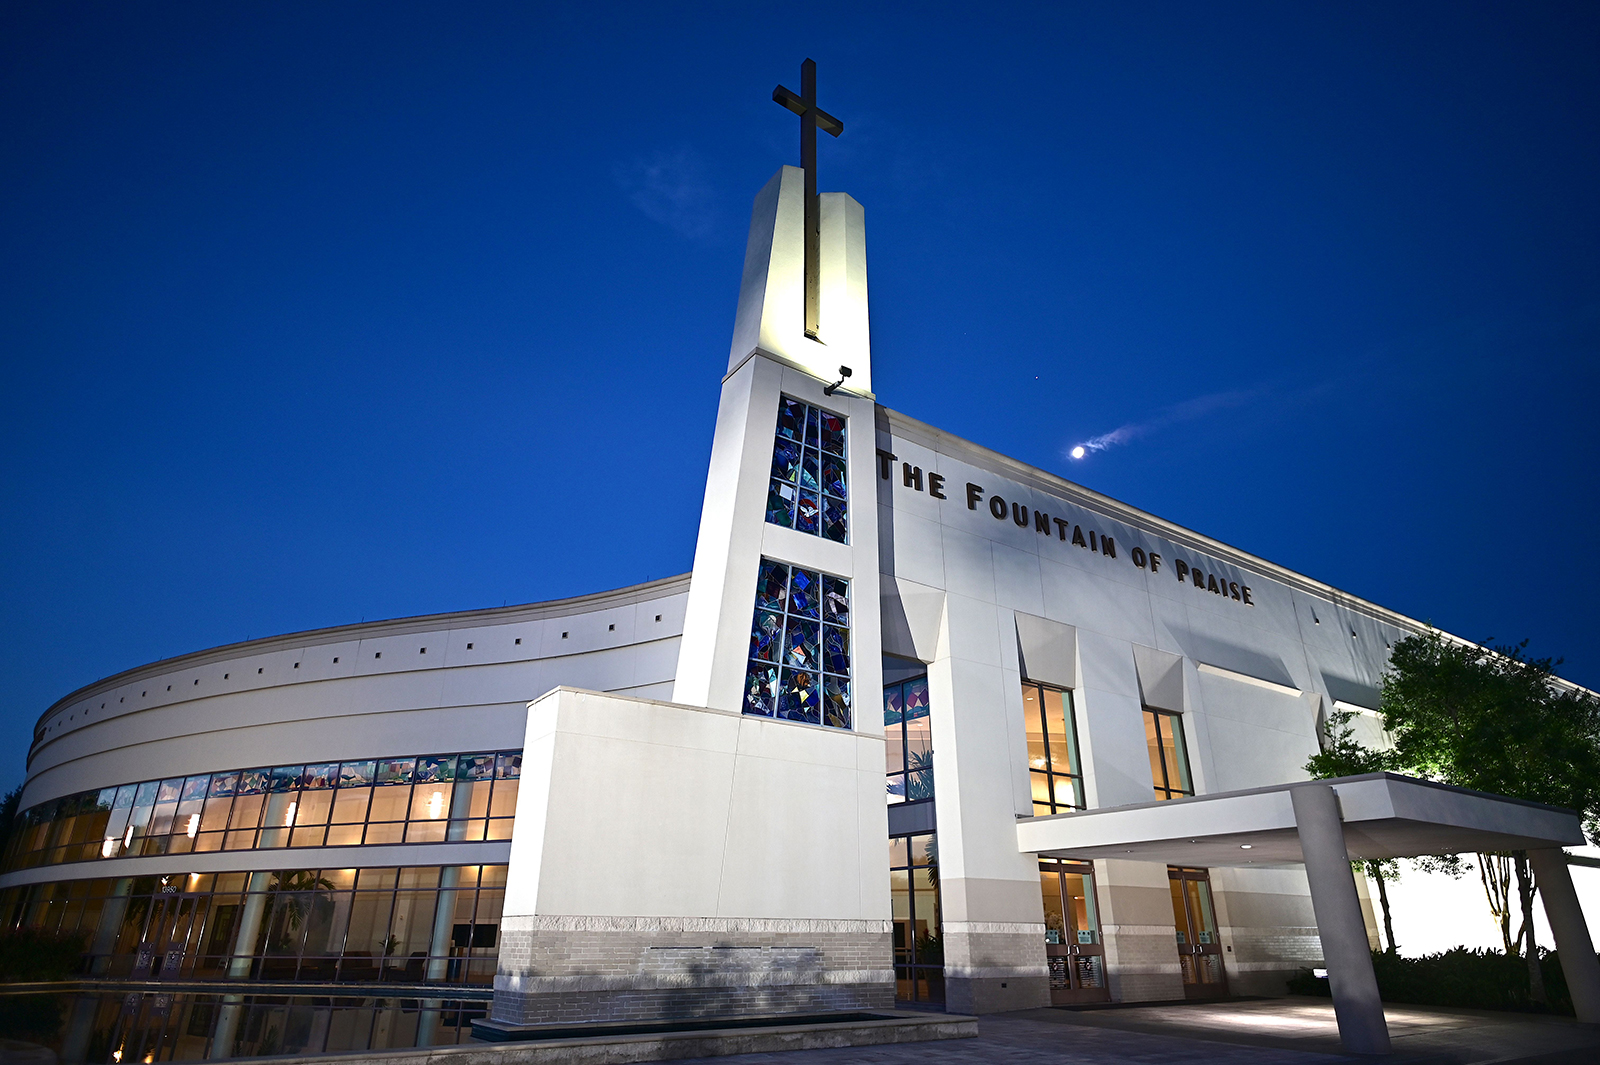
x,y
146,1027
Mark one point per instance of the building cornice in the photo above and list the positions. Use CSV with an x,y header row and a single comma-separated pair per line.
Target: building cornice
x,y
459,619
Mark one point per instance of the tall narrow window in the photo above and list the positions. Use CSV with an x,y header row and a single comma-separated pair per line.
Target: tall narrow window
x,y
799,667
908,740
1169,762
1052,749
918,926
807,489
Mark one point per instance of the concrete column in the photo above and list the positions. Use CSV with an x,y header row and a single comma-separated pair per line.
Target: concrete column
x,y
443,924
1573,943
1345,950
244,943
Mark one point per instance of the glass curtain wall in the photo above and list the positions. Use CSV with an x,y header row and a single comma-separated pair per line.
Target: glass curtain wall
x,y
1052,749
414,924
914,894
413,799
1169,761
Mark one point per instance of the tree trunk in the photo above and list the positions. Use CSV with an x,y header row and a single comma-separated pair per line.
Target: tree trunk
x,y
1525,889
1383,900
1494,870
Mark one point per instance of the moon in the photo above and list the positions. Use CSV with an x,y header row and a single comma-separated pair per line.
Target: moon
x,y
1077,452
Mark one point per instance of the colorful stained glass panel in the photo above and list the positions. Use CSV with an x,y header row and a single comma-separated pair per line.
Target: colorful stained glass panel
x,y
760,688
766,636
808,513
791,418
807,489
804,593
835,600
799,666
785,460
832,433
836,650
799,700
801,643
772,586
833,519
780,504
833,476
836,702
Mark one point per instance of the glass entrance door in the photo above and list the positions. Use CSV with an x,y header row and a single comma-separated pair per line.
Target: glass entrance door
x,y
1199,952
1072,933
164,944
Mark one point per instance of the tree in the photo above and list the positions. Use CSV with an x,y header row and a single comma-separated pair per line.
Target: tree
x,y
1492,719
1342,755
8,816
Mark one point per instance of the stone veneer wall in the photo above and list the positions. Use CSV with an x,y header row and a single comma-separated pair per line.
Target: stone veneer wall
x,y
1136,925
562,969
991,967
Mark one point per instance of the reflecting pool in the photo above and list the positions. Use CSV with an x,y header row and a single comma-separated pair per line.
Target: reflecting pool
x,y
125,1028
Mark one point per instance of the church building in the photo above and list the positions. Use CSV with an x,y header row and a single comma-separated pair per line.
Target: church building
x,y
800,777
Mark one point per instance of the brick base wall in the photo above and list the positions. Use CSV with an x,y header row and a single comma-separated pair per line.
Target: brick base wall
x,y
564,969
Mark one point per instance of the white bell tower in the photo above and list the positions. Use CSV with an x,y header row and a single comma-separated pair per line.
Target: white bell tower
x,y
772,357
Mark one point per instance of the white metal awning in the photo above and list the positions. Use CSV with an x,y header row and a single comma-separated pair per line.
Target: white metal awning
x,y
1385,816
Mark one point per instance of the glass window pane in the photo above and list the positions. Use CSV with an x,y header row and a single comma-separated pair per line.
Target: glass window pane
x,y
1152,737
1057,710
1055,918
760,689
389,804
781,498
836,702
504,800
805,593
1033,726
799,699
766,636
899,856
430,802
1176,756
1041,788
350,805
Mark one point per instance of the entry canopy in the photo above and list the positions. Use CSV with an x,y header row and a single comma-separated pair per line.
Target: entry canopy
x,y
1385,815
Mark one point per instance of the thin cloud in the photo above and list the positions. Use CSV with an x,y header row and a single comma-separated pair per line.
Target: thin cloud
x,y
672,188
1188,410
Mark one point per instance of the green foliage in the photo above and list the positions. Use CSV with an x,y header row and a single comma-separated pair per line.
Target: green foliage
x,y
28,954
1493,720
1463,978
1342,755
8,816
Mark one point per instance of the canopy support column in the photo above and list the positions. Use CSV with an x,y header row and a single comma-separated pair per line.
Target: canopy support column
x,y
1573,943
1345,951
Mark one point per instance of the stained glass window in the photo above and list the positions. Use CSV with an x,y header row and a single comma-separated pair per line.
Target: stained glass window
x,y
807,489
799,667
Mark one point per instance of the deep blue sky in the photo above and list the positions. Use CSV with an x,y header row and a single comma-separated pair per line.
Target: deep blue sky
x,y
317,313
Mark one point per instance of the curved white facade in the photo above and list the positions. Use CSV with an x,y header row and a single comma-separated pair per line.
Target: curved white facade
x,y
446,682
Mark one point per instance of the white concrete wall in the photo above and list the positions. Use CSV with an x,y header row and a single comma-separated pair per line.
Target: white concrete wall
x,y
356,691
1249,679
635,808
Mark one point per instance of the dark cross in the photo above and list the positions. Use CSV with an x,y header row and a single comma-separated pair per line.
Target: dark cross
x,y
812,118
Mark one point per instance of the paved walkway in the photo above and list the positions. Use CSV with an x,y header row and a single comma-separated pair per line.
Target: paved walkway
x,y
1292,1031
